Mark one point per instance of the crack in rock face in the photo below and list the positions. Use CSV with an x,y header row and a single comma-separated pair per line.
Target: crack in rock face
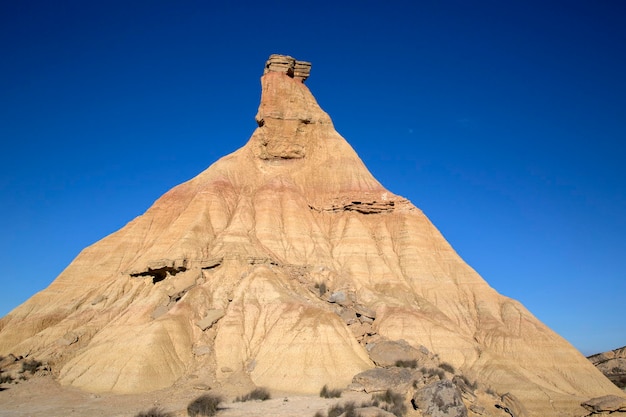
x,y
159,274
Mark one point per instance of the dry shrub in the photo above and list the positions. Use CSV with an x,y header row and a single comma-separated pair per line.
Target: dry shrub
x,y
335,410
322,287
392,402
204,405
6,379
407,364
432,372
261,394
330,393
467,382
154,412
447,367
30,366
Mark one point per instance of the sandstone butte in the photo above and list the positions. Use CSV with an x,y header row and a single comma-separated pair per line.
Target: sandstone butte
x,y
249,270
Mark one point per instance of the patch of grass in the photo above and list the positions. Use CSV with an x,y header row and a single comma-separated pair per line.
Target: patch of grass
x,y
389,401
322,288
204,405
261,394
447,367
335,410
30,366
6,379
432,372
347,410
393,402
330,393
407,364
350,410
388,397
466,381
154,412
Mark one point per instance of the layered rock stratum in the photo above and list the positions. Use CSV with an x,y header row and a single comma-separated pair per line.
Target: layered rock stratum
x,y
284,264
612,364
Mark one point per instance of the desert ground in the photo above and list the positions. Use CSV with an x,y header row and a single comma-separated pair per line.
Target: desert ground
x,y
43,396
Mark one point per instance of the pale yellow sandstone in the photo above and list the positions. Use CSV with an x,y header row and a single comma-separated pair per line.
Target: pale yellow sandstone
x,y
252,236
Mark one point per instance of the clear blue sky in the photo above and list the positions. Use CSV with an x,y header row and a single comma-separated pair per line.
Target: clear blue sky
x,y
504,121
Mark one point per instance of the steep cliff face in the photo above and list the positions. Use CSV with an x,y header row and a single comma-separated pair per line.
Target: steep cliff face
x,y
250,269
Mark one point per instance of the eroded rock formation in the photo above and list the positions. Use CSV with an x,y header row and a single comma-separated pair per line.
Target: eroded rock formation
x,y
298,70
440,399
280,265
612,364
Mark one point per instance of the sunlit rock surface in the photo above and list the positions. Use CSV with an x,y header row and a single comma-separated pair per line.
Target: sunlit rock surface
x,y
278,265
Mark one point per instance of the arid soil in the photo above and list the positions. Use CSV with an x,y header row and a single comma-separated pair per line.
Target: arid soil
x,y
43,396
